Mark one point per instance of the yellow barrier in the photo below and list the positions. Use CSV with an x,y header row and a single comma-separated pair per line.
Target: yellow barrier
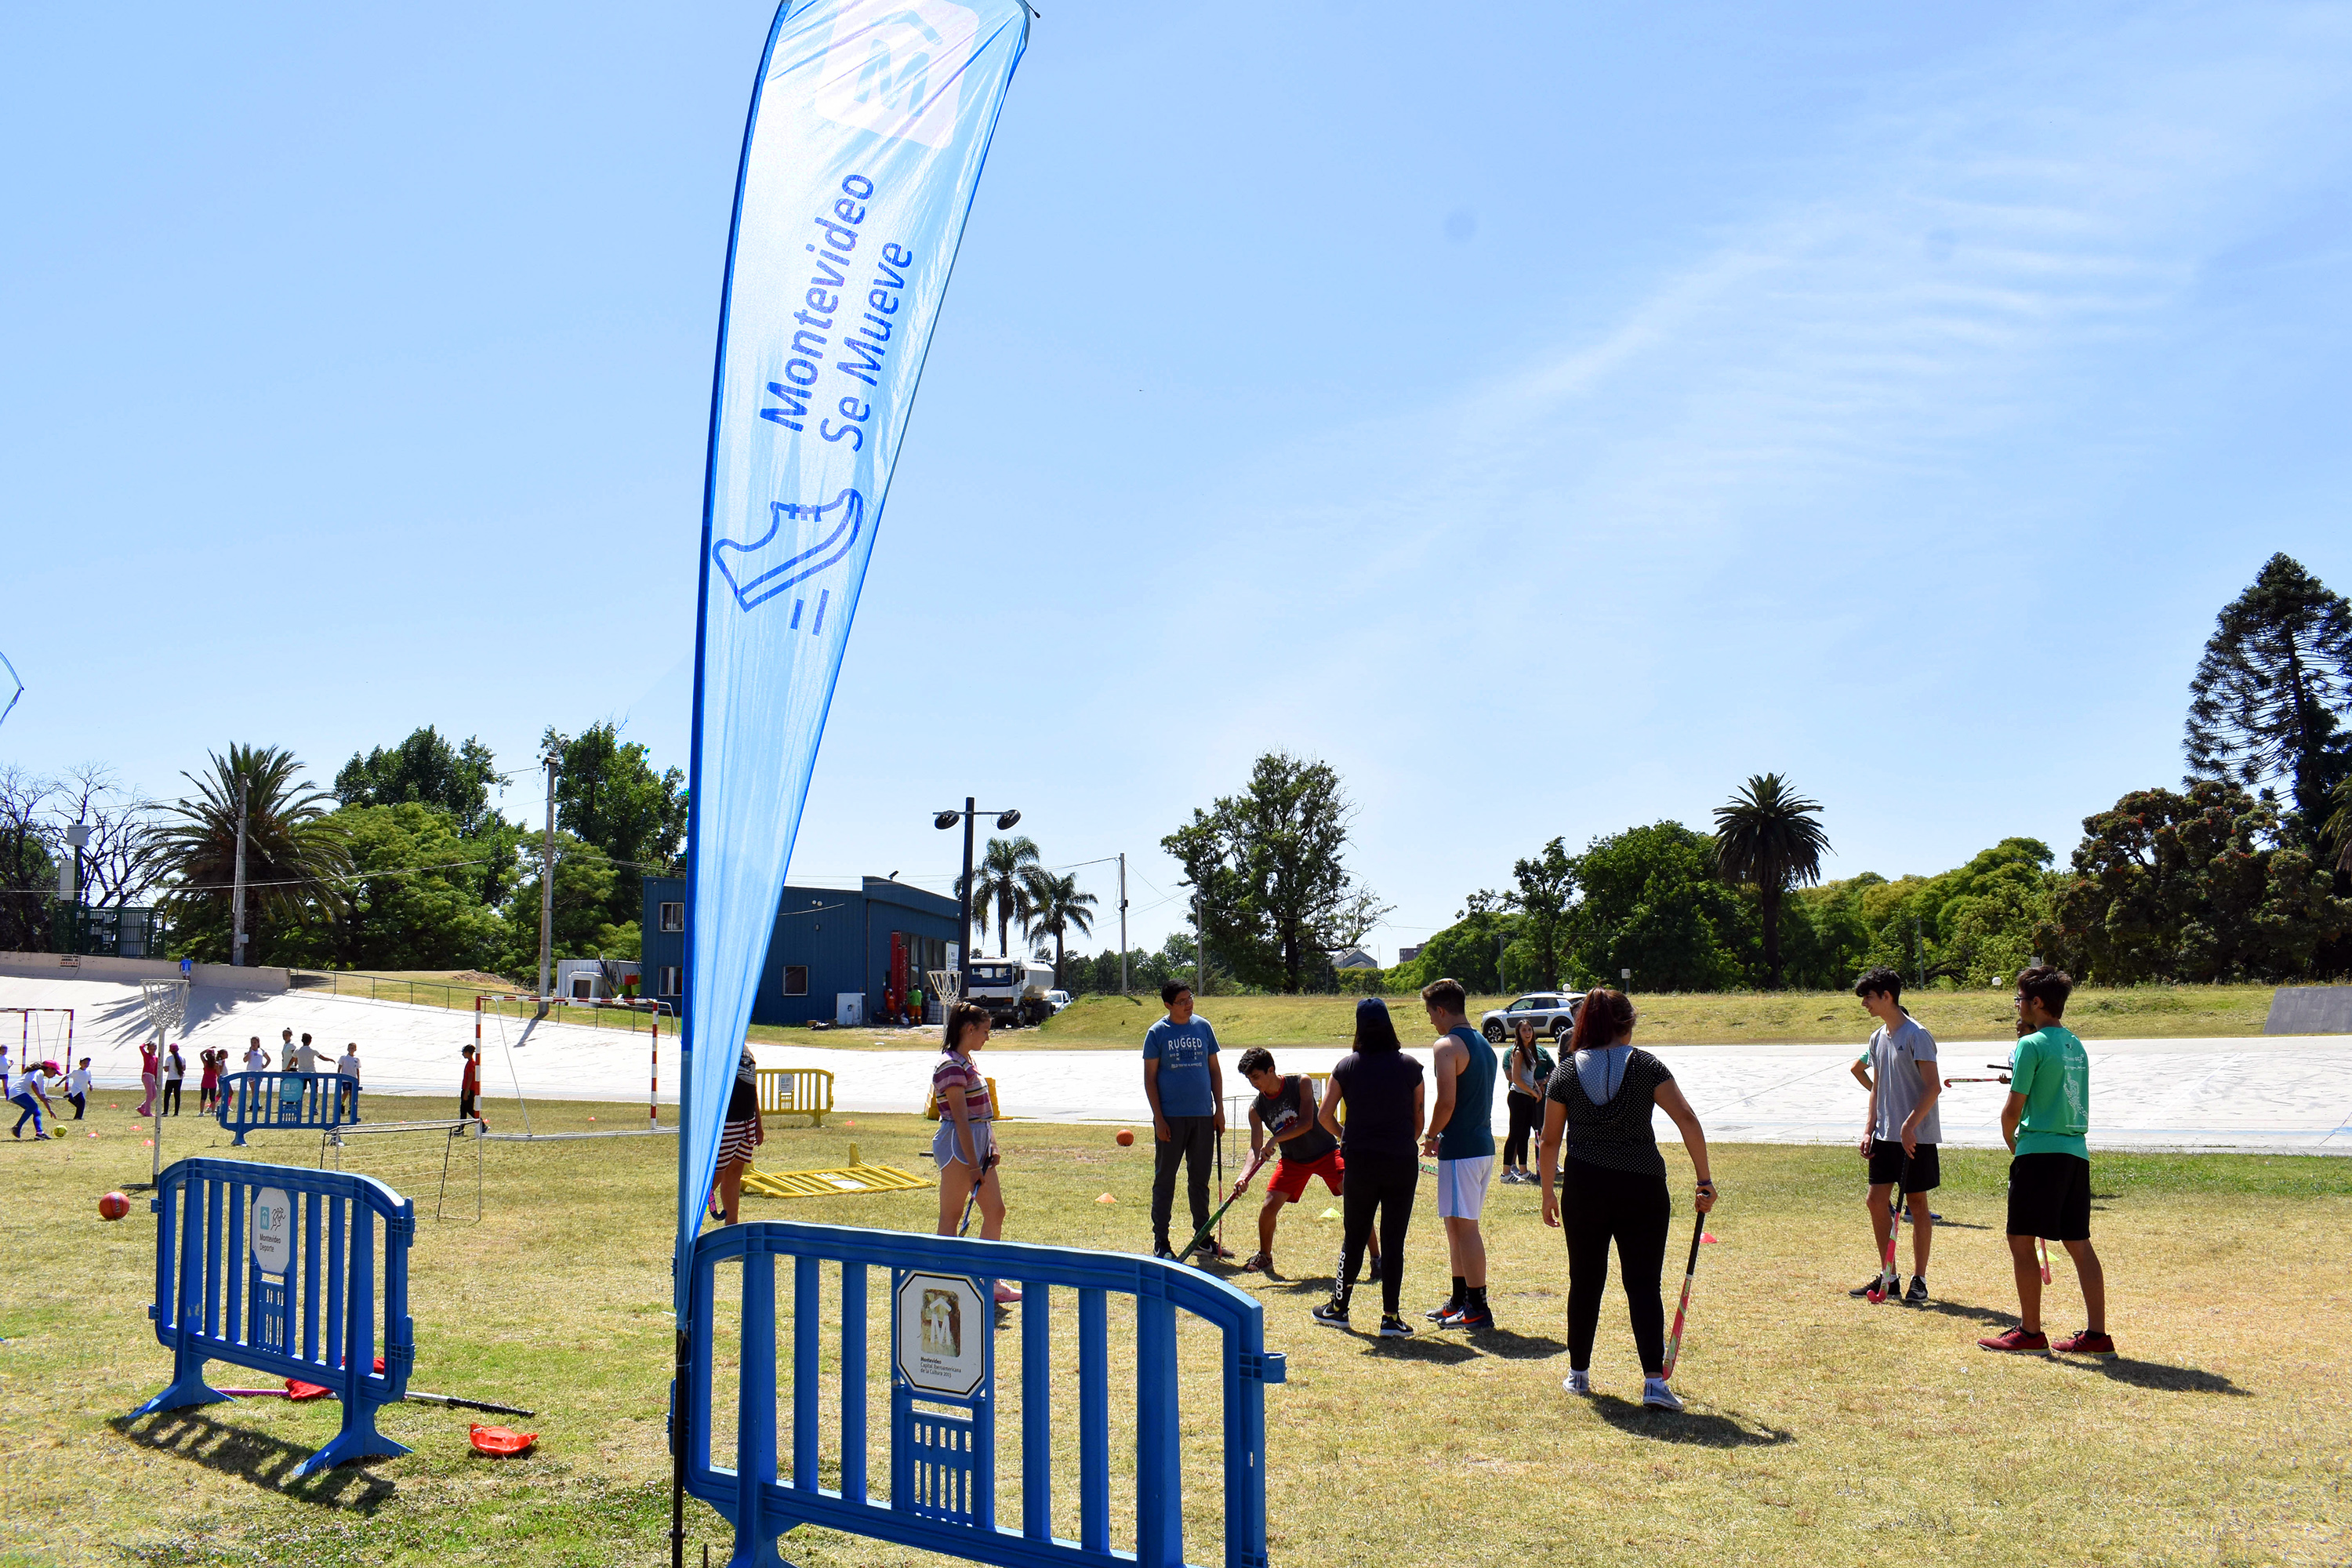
x,y
931,1103
855,1178
796,1091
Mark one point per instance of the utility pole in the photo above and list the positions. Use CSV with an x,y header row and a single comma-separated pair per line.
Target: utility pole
x,y
1122,922
236,899
547,888
1200,942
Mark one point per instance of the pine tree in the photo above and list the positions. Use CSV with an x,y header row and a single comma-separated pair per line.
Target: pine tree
x,y
2267,701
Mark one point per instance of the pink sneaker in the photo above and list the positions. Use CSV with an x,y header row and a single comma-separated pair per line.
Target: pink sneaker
x,y
2017,1342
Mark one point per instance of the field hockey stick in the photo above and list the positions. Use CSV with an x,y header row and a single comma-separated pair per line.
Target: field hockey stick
x,y
1240,1187
1887,1280
414,1396
1949,1081
1690,1274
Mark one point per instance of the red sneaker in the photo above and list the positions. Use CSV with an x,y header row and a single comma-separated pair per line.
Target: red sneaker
x,y
2017,1342
2086,1344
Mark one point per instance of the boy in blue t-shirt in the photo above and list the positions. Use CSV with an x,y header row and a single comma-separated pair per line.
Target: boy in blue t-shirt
x,y
1186,1089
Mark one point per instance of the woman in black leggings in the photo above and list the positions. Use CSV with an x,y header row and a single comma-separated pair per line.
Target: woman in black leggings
x,y
1526,1069
1379,1144
1612,1182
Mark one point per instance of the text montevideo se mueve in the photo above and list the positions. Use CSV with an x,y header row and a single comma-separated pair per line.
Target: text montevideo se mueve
x,y
864,339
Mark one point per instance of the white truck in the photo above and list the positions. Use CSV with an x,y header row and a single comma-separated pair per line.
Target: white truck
x,y
1012,989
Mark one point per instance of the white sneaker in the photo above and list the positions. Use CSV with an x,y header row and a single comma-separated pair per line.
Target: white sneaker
x,y
1658,1396
1578,1383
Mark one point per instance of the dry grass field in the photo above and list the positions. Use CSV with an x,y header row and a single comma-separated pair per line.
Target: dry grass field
x,y
1821,1430
1724,1018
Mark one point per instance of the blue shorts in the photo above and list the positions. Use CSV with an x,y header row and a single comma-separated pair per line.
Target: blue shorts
x,y
947,1147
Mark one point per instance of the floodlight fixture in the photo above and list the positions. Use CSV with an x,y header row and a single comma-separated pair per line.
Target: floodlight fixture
x,y
946,820
1005,823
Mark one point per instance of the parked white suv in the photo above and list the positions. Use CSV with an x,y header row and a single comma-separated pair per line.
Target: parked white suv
x,y
1553,1012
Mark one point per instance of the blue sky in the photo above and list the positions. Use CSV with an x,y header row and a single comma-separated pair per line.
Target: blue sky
x,y
1548,422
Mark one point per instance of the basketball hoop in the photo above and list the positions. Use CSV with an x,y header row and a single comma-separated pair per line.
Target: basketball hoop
x,y
167,1009
947,984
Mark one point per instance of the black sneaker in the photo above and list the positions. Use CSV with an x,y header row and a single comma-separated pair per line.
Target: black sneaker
x,y
1917,1295
1394,1328
1439,1314
1876,1283
1468,1317
1332,1314
1165,1251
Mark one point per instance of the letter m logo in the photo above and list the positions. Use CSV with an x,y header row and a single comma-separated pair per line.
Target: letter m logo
x,y
893,65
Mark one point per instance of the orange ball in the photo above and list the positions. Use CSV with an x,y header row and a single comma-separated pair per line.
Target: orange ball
x,y
113,1205
1125,1138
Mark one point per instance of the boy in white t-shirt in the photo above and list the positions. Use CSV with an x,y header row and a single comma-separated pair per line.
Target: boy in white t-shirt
x,y
347,1071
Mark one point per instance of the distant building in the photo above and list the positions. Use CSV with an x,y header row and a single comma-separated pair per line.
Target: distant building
x,y
827,943
1407,954
1355,957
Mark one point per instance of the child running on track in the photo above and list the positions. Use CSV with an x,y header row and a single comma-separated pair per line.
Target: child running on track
x,y
1462,1136
2046,1121
1898,1068
1612,1183
1284,1111
1381,1089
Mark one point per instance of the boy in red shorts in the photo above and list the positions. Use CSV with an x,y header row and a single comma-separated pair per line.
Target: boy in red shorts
x,y
1284,1111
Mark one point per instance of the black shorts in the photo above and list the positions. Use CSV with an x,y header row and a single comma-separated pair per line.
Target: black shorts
x,y
1919,1172
2050,1196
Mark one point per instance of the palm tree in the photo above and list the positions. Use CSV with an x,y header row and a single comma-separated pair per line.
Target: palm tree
x,y
999,879
1057,908
1767,835
294,853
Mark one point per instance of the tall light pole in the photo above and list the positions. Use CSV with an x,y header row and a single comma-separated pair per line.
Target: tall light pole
x,y
1122,922
1005,822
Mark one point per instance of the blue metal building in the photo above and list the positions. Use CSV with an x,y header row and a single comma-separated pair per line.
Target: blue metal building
x,y
828,943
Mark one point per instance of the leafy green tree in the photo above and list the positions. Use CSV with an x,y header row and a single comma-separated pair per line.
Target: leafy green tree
x,y
1057,908
2267,698
1473,950
2191,886
425,769
1002,879
1767,835
296,863
608,797
1652,904
580,925
415,900
1278,898
29,845
1546,884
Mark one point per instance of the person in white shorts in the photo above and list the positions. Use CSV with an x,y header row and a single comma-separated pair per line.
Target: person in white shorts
x,y
1461,1135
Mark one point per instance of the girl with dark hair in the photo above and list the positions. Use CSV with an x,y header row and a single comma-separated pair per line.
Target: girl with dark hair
x,y
743,1133
964,1147
1612,1182
1526,1069
1380,1141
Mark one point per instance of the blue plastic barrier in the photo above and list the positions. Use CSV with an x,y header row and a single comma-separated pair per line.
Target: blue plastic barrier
x,y
275,1268
255,1101
942,1464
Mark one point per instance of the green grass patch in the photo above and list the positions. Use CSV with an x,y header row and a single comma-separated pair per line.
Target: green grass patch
x,y
1820,1429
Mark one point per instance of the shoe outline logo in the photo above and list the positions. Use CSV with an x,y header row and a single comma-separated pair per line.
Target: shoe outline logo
x,y
754,579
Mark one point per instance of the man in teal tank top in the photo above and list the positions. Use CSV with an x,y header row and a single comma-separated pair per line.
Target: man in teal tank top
x,y
1461,1135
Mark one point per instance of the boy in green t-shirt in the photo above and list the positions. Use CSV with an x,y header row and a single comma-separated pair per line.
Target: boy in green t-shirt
x,y
2044,1121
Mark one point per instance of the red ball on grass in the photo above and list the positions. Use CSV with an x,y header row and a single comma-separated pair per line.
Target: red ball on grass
x,y
113,1205
1125,1138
